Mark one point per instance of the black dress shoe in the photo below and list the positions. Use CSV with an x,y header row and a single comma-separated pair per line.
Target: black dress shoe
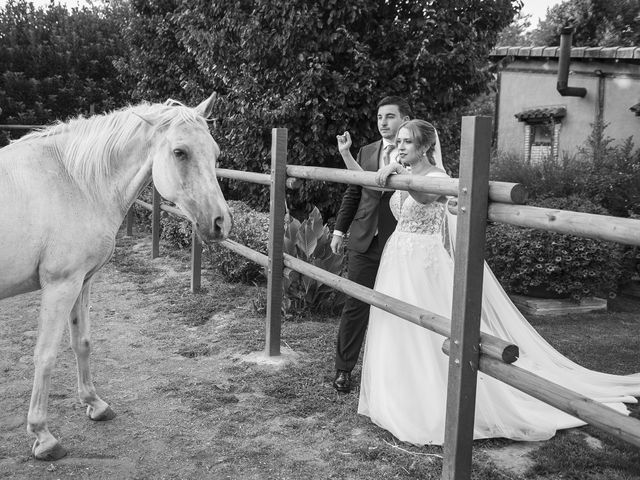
x,y
342,382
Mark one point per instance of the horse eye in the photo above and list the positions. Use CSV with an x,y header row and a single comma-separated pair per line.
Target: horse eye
x,y
180,154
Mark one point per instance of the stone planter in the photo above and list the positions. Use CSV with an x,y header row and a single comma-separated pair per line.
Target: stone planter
x,y
546,306
543,291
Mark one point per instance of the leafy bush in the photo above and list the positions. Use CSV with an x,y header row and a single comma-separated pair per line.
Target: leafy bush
x,y
250,228
607,173
175,231
549,178
527,260
57,62
613,177
310,241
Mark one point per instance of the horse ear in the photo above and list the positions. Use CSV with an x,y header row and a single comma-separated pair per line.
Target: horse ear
x,y
206,108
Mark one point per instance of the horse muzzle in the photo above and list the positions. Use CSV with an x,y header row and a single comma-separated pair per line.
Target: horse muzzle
x,y
216,229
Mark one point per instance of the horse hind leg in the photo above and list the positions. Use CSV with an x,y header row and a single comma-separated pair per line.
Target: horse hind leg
x,y
57,302
80,333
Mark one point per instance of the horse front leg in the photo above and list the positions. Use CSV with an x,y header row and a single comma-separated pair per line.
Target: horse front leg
x,y
57,301
80,335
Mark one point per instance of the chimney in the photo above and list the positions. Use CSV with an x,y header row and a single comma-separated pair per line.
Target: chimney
x,y
563,66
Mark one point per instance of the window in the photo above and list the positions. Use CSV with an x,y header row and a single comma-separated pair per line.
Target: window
x,y
541,132
542,136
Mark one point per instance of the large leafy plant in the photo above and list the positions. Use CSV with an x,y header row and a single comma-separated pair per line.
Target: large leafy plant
x,y
310,241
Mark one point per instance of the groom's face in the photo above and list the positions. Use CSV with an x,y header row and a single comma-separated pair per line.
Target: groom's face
x,y
389,119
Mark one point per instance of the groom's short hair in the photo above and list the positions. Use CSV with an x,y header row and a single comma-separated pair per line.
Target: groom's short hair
x,y
401,103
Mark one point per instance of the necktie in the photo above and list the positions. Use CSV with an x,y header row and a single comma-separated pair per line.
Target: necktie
x,y
387,153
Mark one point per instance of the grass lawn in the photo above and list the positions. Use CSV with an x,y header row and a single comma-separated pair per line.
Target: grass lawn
x,y
345,444
607,342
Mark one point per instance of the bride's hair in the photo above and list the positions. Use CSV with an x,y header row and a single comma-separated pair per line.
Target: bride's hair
x,y
424,135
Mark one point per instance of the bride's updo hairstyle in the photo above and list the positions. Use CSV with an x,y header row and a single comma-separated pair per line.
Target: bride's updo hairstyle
x,y
424,134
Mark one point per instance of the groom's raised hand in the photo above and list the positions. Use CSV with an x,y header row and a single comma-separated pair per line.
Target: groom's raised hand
x,y
344,142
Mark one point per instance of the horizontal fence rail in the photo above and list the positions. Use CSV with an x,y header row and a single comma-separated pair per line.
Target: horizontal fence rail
x,y
490,345
498,191
167,208
588,225
600,227
253,177
575,404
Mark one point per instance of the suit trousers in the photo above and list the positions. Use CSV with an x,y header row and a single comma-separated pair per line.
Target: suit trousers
x,y
362,269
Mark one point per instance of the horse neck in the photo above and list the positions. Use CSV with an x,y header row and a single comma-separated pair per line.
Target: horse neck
x,y
113,194
130,178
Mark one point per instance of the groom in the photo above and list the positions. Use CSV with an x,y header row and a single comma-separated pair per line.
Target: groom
x,y
366,215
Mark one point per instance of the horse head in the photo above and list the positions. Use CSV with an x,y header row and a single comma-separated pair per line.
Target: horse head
x,y
185,156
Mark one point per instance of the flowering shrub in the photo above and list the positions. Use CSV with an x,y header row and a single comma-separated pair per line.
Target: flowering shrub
x,y
527,261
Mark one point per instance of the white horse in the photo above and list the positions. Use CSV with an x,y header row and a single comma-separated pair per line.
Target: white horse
x,y
64,192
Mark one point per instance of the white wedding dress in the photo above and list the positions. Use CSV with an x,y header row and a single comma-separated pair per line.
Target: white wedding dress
x,y
404,372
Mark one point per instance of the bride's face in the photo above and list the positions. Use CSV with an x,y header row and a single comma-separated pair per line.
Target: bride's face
x,y
409,152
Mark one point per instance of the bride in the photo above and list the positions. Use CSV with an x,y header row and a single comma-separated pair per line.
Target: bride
x,y
404,372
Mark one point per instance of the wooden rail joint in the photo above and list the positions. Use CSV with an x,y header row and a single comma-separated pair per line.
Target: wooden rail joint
x,y
492,347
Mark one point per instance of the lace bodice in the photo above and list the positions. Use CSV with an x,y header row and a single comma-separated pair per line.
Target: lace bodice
x,y
415,217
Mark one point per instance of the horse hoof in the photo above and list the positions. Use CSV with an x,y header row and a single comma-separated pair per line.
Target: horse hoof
x,y
107,414
49,455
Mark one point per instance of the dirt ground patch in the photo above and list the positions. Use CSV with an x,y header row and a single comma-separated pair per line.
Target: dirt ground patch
x,y
194,397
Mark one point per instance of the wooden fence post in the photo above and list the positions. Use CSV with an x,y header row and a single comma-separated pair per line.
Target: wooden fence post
x,y
155,224
475,148
196,261
276,239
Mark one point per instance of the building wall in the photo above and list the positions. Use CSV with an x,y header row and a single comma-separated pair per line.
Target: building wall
x,y
532,83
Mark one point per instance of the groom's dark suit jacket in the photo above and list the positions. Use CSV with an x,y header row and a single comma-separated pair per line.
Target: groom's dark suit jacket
x,y
364,211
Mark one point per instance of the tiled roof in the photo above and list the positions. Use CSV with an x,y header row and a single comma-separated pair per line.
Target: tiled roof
x,y
601,53
541,113
636,109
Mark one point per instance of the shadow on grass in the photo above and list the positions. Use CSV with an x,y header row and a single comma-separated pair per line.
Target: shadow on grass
x,y
572,455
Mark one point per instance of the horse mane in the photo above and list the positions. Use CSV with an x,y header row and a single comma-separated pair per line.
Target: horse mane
x,y
90,148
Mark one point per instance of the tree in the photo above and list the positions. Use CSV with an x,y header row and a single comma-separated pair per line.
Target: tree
x,y
316,67
516,33
56,63
598,23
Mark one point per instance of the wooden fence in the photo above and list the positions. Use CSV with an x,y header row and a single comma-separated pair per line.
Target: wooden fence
x,y
468,348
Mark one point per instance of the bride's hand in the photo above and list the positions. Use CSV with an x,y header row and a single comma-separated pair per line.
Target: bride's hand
x,y
382,175
344,142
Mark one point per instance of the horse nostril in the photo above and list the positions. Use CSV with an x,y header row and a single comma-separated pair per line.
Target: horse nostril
x,y
218,226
